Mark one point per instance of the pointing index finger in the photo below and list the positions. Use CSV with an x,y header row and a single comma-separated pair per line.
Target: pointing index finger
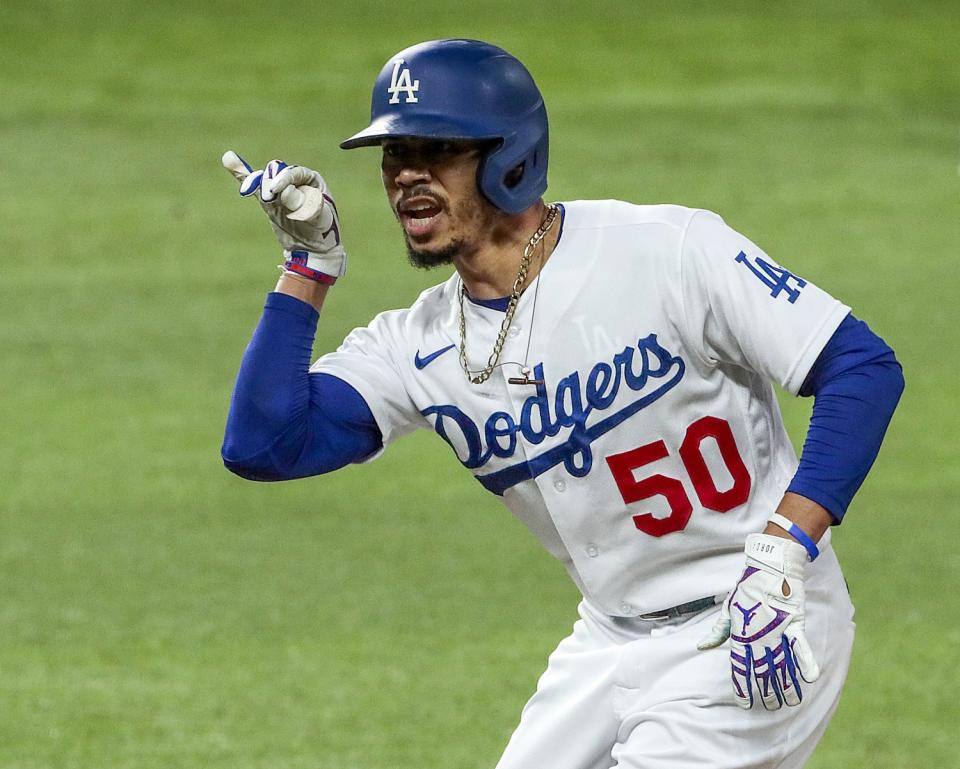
x,y
236,165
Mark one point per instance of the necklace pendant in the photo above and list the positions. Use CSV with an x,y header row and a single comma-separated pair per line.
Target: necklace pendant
x,y
524,380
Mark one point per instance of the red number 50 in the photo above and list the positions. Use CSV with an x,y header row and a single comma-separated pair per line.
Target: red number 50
x,y
632,490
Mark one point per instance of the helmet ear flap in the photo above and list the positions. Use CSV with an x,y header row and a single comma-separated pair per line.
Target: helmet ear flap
x,y
513,176
510,180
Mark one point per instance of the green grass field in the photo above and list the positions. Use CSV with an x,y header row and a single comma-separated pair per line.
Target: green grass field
x,y
158,612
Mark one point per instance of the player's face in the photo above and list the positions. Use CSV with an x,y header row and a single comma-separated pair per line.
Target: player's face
x,y
432,189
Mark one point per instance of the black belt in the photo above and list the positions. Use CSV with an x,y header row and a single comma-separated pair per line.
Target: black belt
x,y
691,607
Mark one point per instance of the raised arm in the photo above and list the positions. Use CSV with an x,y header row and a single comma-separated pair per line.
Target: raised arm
x,y
285,422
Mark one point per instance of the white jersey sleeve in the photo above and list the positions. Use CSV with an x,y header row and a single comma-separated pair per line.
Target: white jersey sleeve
x,y
742,308
367,361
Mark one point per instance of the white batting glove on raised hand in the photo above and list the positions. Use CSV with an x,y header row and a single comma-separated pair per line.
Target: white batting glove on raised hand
x,y
764,619
302,213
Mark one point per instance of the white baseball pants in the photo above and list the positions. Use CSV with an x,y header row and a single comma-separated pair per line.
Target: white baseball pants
x,y
634,694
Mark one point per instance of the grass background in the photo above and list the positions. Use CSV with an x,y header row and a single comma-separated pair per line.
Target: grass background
x,y
156,611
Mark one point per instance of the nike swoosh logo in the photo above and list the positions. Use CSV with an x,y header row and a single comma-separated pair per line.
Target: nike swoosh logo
x,y
422,363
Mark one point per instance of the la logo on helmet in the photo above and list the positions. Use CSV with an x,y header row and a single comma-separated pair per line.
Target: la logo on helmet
x,y
400,81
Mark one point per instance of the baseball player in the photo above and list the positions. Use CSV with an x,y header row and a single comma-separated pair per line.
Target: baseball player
x,y
607,370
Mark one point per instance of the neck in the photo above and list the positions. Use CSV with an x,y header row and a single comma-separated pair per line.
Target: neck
x,y
490,272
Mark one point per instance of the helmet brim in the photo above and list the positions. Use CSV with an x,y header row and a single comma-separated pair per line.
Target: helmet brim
x,y
419,127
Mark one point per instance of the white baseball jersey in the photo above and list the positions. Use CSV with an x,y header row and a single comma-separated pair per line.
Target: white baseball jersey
x,y
655,444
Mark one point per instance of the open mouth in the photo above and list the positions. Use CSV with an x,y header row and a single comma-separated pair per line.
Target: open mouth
x,y
419,216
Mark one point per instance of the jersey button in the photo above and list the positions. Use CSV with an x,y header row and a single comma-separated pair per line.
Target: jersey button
x,y
626,608
560,484
592,550
514,332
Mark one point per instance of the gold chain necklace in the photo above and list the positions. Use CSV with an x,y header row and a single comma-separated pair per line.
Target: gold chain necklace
x,y
479,377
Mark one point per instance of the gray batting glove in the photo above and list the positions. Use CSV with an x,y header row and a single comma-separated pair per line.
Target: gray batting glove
x,y
764,619
302,213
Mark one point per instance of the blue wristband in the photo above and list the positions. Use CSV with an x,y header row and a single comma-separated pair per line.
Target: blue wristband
x,y
797,533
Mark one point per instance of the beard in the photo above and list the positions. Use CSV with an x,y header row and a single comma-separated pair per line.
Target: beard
x,y
427,260
473,214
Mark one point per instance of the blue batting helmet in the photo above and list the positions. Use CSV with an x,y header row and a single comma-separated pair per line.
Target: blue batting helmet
x,y
466,89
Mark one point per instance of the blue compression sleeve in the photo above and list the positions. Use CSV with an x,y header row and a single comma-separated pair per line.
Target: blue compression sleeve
x,y
284,421
856,383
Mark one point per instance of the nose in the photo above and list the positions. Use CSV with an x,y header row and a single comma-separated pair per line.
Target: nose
x,y
410,173
405,167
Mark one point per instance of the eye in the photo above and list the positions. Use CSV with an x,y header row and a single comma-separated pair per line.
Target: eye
x,y
391,150
438,150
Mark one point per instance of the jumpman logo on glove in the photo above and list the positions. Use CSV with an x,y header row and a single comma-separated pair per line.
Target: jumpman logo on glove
x,y
748,614
772,663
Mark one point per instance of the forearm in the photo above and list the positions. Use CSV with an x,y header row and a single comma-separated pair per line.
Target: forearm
x,y
304,289
857,383
272,391
812,518
286,422
851,413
